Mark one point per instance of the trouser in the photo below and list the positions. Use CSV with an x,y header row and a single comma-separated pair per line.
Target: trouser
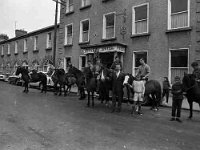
x,y
166,93
117,95
176,107
104,91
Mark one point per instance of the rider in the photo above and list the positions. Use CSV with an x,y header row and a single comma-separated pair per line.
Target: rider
x,y
196,71
143,70
116,62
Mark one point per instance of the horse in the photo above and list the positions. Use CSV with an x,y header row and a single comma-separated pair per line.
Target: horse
x,y
70,80
192,89
80,80
33,77
59,77
152,91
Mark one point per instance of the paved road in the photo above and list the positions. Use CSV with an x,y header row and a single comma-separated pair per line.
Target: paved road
x,y
38,121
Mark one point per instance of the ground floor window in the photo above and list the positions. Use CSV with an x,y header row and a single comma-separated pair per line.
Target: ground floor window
x,y
178,63
136,60
82,62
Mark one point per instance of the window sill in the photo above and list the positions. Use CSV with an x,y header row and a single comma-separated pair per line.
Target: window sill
x,y
49,48
36,50
8,54
83,43
105,1
68,45
87,6
16,53
109,39
179,30
69,13
140,35
25,52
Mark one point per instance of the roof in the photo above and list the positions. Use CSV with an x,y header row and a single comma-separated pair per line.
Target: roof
x,y
36,32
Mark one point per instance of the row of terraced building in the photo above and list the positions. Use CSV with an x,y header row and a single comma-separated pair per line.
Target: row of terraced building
x,y
164,32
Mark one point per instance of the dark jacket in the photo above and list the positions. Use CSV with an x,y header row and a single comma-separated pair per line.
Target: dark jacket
x,y
166,85
177,90
118,82
116,63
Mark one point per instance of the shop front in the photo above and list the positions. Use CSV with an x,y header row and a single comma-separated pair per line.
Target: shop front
x,y
105,52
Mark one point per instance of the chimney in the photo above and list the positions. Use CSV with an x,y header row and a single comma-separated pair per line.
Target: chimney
x,y
20,33
3,37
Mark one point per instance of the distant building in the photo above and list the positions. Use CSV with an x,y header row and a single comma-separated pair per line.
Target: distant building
x,y
166,33
32,49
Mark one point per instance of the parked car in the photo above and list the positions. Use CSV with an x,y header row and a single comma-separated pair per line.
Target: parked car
x,y
2,77
13,79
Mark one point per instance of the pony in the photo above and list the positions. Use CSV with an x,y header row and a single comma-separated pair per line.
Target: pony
x,y
58,77
70,80
80,80
192,89
152,91
33,77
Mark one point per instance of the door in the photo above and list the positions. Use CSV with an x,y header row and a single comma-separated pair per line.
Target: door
x,y
107,59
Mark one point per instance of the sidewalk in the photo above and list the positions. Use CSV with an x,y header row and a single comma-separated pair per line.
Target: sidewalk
x,y
185,104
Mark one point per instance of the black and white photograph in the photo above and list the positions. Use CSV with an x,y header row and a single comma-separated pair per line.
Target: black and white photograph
x,y
99,74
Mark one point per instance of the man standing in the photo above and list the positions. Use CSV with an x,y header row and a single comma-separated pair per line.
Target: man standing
x,y
196,71
117,89
116,62
143,70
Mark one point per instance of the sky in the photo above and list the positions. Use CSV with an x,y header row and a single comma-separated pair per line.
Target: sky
x,y
28,15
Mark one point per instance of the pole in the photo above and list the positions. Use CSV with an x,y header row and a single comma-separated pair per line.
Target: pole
x,y
55,34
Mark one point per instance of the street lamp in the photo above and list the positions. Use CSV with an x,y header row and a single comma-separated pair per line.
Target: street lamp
x,y
55,29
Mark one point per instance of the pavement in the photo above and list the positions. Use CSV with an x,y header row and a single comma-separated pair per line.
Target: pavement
x,y
185,104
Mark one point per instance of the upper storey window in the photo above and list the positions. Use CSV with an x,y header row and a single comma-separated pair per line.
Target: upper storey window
x,y
69,6
109,26
140,23
85,3
84,30
178,14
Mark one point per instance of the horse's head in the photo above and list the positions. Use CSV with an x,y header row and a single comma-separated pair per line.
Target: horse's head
x,y
188,81
19,70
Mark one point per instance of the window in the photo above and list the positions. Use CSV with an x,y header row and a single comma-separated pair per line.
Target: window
x,y
178,13
25,45
35,43
178,63
49,40
84,30
136,60
68,34
69,6
109,26
85,3
16,47
82,62
140,22
8,49
2,50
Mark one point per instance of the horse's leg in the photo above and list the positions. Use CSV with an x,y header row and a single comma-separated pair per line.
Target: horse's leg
x,y
191,108
88,104
60,90
128,93
55,88
92,98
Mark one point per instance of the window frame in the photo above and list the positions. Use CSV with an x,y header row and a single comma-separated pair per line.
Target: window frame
x,y
66,33
25,45
35,43
134,22
2,50
82,3
48,41
8,49
81,31
104,25
68,6
16,47
169,26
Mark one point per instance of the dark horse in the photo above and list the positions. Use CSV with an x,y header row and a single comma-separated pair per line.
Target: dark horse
x,y
152,92
59,77
33,77
73,72
192,89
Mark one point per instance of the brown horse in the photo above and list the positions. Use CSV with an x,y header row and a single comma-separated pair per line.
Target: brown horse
x,y
192,89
